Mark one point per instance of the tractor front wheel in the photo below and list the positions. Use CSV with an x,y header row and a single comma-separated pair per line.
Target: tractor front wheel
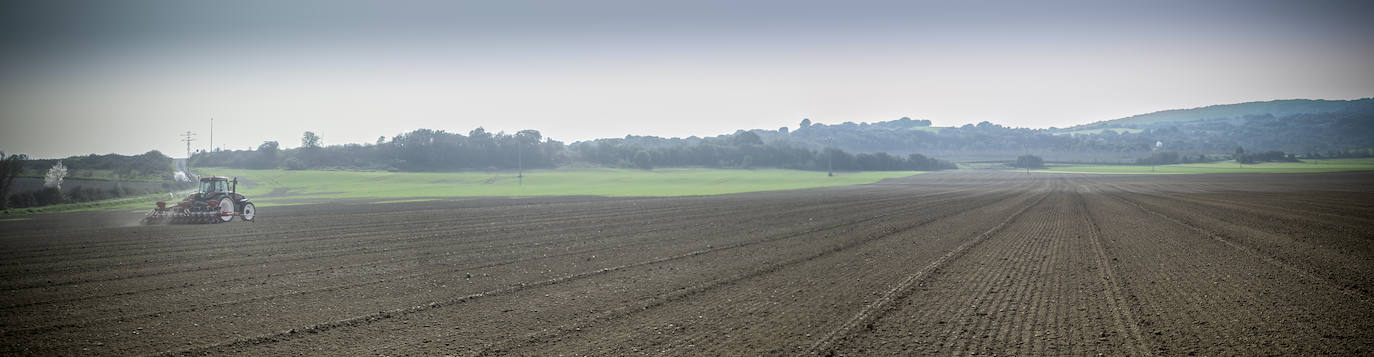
x,y
248,212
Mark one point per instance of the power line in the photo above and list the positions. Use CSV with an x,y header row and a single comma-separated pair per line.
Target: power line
x,y
829,159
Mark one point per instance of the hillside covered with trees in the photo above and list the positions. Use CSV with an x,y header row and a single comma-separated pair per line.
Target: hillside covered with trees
x,y
1333,129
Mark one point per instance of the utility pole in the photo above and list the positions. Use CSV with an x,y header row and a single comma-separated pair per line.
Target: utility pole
x,y
520,159
829,159
212,133
188,139
1025,149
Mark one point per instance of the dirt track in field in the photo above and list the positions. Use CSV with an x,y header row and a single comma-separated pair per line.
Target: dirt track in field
x,y
946,263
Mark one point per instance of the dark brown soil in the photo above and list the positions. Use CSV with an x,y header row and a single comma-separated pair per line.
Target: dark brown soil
x,y
946,263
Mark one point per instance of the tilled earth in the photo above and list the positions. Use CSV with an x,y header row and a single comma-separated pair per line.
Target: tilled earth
x,y
944,263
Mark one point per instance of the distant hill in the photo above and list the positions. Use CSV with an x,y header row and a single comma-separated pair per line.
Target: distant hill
x,y
1277,108
1318,127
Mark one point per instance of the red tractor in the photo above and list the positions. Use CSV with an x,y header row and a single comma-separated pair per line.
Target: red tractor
x,y
217,201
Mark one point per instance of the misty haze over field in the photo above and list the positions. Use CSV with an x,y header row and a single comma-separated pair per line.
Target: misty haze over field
x,y
127,77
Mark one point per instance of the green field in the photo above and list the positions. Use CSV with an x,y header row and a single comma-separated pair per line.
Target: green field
x,y
1331,165
284,185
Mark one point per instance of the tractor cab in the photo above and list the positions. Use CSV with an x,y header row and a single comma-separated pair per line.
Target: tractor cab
x,y
216,188
217,184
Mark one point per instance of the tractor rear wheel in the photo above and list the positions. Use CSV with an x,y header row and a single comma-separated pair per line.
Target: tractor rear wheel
x,y
226,211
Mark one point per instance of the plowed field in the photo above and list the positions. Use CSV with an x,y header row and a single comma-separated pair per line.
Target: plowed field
x,y
945,263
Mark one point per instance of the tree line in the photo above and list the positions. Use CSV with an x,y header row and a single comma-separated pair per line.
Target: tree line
x,y
437,150
743,149
418,150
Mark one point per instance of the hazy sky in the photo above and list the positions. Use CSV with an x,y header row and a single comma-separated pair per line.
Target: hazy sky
x,y
81,77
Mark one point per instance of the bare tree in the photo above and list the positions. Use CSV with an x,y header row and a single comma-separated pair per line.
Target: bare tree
x,y
58,172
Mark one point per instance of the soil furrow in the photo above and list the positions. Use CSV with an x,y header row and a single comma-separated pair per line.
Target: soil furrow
x,y
1361,295
1122,314
967,262
634,234
440,242
659,301
276,337
874,310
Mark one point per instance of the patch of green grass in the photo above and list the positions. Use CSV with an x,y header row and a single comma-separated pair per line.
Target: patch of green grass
x,y
1331,165
284,185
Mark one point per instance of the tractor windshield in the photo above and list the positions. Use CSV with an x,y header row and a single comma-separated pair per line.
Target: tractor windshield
x,y
214,186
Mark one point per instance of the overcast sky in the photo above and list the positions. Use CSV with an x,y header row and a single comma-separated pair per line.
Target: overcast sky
x,y
79,77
